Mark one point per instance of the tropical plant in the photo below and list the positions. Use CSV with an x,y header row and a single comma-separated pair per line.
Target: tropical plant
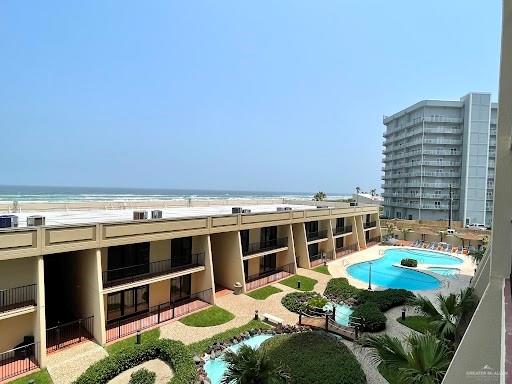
x,y
317,302
442,234
373,191
477,255
142,376
249,366
413,263
405,231
450,309
390,229
423,360
319,196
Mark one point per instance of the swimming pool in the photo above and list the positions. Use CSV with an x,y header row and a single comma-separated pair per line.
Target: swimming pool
x,y
215,368
342,314
386,275
450,272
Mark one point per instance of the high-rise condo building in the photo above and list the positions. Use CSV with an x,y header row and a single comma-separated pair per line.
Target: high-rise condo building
x,y
434,149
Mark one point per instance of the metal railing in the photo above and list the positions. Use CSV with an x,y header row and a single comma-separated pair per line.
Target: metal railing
x,y
341,230
18,297
157,314
268,277
312,236
347,249
267,245
370,224
373,241
73,332
132,273
18,360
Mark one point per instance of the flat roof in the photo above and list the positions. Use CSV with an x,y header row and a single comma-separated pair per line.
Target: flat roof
x,y
93,216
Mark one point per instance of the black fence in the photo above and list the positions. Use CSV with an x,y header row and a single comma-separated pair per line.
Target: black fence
x,y
18,297
73,332
157,314
289,268
18,360
263,278
267,245
342,251
373,240
370,224
342,230
133,273
317,235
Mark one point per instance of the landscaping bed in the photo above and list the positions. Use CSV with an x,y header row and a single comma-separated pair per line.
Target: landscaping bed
x,y
420,324
322,269
208,317
306,283
263,293
298,301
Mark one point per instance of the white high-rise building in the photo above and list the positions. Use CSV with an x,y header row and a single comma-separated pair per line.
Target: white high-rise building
x,y
434,147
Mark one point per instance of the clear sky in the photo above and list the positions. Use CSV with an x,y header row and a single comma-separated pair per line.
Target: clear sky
x,y
240,95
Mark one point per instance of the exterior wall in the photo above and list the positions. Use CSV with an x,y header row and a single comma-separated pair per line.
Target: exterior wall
x,y
159,250
360,232
17,327
227,259
159,292
300,244
18,272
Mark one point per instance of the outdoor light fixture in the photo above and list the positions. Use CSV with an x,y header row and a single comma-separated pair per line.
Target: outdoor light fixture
x,y
370,276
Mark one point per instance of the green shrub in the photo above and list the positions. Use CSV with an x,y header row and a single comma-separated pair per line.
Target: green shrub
x,y
142,376
387,299
298,301
339,289
409,263
317,302
370,317
175,353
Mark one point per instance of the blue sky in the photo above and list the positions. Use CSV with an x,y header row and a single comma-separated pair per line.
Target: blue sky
x,y
241,95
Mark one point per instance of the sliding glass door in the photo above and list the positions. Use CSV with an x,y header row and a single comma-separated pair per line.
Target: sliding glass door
x,y
180,288
127,303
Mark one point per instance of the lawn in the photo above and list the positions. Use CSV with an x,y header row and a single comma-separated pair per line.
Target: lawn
x,y
263,293
200,346
40,377
315,358
122,344
418,323
208,317
306,283
322,269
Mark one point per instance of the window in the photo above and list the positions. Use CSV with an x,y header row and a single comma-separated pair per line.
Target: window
x,y
340,222
410,217
311,227
127,260
437,204
313,249
268,236
244,238
127,303
340,242
181,251
268,263
180,288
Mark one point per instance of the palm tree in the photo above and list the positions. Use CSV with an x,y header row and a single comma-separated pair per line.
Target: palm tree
x,y
319,196
250,366
358,190
405,231
452,308
442,234
373,191
390,229
423,360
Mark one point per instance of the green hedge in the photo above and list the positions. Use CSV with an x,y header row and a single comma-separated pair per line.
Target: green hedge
x,y
387,299
298,301
370,317
175,353
339,289
142,376
409,263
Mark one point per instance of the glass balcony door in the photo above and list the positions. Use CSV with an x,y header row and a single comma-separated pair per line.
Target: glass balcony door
x,y
181,251
127,303
180,288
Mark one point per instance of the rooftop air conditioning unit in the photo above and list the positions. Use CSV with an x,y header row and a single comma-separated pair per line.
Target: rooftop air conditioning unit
x,y
280,209
353,204
236,210
140,215
287,208
156,214
35,221
246,211
8,221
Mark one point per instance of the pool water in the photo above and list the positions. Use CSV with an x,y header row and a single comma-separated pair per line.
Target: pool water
x,y
342,314
215,368
450,272
385,274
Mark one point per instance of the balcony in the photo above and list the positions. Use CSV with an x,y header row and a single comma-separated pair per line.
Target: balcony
x,y
368,225
346,250
341,230
18,297
317,259
265,246
131,274
318,235
267,277
19,360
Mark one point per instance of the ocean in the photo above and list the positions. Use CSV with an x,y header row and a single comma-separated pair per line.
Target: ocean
x,y
24,194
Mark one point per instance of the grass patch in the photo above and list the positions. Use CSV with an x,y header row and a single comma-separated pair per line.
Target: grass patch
x,y
306,283
322,269
315,358
418,323
200,346
263,293
208,317
40,377
151,335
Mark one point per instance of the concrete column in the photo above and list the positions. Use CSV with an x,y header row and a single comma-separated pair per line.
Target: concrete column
x,y
360,232
291,248
97,298
301,245
40,318
227,261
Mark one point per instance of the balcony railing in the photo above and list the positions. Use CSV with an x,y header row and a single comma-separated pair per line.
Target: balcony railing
x,y
312,236
19,297
341,230
373,240
263,278
345,250
133,273
370,224
158,314
74,332
18,360
264,246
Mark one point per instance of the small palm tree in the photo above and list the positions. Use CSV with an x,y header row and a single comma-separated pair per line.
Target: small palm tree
x,y
373,191
250,366
390,229
442,234
405,231
423,360
319,196
450,309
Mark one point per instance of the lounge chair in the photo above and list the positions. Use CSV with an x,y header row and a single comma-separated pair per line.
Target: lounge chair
x,y
426,244
459,250
416,242
448,247
433,246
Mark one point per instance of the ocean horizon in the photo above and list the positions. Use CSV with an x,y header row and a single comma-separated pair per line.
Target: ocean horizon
x,y
27,194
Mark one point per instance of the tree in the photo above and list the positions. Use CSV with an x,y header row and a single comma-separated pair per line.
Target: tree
x,y
373,191
405,231
424,359
319,196
250,366
442,234
390,229
450,309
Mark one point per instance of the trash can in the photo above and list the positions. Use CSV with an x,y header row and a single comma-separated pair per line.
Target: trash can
x,y
238,288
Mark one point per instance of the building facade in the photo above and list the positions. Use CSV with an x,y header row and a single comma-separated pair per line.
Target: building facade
x,y
441,151
104,278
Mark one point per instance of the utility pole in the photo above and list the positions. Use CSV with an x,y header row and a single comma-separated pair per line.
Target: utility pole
x,y
450,209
